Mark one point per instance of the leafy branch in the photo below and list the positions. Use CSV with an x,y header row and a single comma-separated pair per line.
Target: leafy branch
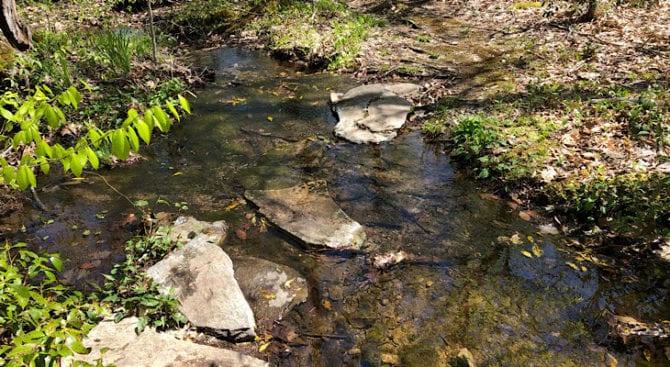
x,y
28,128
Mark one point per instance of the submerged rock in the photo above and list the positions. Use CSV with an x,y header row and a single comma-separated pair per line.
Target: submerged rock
x,y
201,277
372,113
117,344
186,228
310,214
271,289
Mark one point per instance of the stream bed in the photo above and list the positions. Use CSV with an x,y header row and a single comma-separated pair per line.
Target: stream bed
x,y
502,287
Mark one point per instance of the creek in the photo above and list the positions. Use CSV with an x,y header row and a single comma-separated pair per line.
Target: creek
x,y
496,284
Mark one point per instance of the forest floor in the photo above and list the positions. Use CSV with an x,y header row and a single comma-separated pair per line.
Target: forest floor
x,y
593,96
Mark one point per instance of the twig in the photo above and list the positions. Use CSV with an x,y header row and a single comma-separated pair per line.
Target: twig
x,y
4,154
40,205
153,33
326,336
112,187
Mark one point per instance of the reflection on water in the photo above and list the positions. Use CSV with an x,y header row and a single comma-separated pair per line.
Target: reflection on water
x,y
490,283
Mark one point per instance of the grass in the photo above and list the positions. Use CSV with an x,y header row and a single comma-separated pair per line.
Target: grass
x,y
326,34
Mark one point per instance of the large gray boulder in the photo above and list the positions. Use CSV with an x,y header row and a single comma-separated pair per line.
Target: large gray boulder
x,y
271,289
310,214
201,276
118,345
372,113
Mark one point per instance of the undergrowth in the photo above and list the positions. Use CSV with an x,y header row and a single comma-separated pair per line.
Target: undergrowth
x,y
520,142
129,292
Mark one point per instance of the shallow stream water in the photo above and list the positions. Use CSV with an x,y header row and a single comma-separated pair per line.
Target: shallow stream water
x,y
488,281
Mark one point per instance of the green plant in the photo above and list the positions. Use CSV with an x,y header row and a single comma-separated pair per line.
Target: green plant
x,y
433,128
475,135
647,118
423,38
131,292
115,46
33,122
41,320
628,201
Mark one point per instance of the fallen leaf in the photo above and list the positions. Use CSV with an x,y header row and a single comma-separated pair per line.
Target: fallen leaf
x,y
233,205
270,118
527,254
263,347
429,283
512,205
241,234
327,305
287,284
537,251
88,265
487,196
572,265
525,215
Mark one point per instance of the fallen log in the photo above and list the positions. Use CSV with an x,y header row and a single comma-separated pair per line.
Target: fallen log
x,y
18,34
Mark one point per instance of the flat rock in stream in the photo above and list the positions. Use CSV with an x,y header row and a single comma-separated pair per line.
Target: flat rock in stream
x,y
310,214
372,113
151,348
271,289
201,277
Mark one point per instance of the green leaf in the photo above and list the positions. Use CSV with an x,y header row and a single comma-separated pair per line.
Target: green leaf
x,y
77,163
19,138
65,162
8,174
92,158
120,146
133,139
76,346
22,294
22,349
45,167
132,117
161,118
173,110
149,118
6,114
183,102
94,136
25,177
141,325
143,131
51,116
74,95
59,112
57,263
140,203
64,99
43,149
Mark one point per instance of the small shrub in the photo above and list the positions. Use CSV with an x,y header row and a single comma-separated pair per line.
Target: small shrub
x,y
132,293
473,136
41,320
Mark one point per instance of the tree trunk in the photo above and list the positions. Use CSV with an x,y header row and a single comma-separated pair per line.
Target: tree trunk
x,y
17,33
